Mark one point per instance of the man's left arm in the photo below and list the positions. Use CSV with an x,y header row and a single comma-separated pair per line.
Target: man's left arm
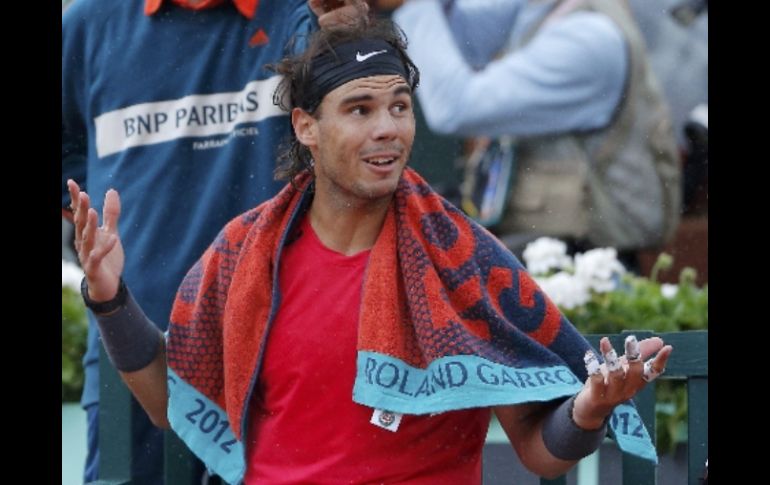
x,y
551,437
523,423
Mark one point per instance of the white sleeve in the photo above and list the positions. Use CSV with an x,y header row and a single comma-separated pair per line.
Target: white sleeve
x,y
569,77
481,28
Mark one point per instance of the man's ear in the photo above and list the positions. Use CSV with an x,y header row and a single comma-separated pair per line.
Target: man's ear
x,y
305,127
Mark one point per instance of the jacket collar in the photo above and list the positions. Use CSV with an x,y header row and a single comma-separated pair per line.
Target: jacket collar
x,y
247,7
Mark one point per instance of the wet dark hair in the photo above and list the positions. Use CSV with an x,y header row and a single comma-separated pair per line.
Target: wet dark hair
x,y
296,86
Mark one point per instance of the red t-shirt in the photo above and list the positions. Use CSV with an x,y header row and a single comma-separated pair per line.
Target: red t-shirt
x,y
305,427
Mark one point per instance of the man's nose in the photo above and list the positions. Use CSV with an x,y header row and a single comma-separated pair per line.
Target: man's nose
x,y
384,126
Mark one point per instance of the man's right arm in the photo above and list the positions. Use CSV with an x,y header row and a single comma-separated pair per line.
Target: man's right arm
x,y
136,347
133,343
150,387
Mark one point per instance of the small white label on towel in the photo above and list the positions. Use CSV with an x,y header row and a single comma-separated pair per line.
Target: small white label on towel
x,y
386,419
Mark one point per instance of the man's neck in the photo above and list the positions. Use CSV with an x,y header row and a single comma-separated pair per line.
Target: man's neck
x,y
347,228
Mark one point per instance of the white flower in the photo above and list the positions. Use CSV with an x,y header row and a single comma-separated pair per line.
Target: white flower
x,y
564,289
599,269
71,275
546,253
669,291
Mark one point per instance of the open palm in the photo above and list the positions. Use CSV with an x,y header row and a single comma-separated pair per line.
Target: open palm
x,y
99,248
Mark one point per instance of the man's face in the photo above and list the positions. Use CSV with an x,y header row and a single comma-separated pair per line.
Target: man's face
x,y
361,138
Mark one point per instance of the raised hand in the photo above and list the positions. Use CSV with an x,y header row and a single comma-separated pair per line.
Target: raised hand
x,y
618,379
99,249
336,13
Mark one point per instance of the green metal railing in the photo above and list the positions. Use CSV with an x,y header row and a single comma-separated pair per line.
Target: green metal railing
x,y
689,362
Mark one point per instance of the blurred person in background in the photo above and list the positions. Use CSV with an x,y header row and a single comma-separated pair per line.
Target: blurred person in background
x,y
593,150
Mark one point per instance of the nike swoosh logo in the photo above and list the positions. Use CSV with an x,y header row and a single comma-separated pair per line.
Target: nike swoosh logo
x,y
362,58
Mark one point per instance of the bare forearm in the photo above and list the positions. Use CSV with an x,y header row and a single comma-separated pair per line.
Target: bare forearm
x,y
524,426
150,387
136,347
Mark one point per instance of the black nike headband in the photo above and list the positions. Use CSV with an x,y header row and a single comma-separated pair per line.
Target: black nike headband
x,y
349,61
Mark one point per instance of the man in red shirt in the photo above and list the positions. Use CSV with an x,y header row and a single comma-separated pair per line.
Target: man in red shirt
x,y
358,279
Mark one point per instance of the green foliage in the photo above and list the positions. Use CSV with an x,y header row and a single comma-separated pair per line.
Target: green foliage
x,y
74,329
670,414
639,303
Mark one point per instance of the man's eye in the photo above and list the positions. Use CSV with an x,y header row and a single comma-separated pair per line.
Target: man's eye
x,y
401,107
358,110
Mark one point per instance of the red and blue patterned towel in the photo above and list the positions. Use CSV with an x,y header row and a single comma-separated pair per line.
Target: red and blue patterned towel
x,y
449,319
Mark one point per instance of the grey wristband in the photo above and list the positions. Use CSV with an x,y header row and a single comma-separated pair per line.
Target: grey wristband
x,y
565,439
131,340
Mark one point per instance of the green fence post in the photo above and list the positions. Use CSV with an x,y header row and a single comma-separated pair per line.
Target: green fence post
x,y
114,426
690,361
178,461
697,428
636,470
562,480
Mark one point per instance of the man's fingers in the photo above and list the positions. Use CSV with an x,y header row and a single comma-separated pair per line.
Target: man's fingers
x,y
663,355
604,345
657,366
74,191
595,376
634,371
111,211
649,346
615,373
81,215
88,237
620,378
593,368
75,201
598,388
651,372
613,361
632,349
102,249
